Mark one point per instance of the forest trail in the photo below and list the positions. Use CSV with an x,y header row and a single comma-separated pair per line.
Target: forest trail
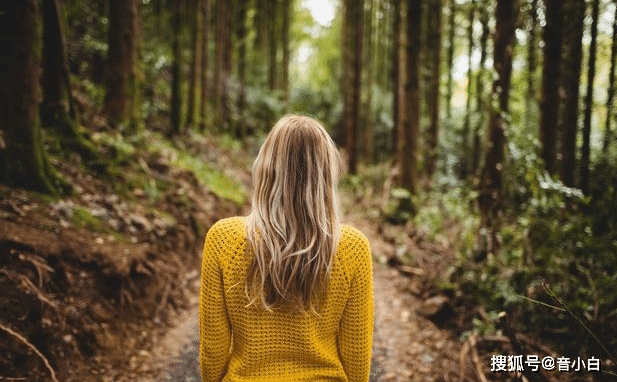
x,y
407,345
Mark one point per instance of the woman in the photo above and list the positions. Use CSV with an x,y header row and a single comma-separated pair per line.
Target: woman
x,y
287,292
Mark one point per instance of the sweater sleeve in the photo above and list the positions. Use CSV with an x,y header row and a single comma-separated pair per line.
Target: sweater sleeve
x,y
215,331
356,328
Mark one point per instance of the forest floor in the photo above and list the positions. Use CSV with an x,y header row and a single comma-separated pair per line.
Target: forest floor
x,y
102,285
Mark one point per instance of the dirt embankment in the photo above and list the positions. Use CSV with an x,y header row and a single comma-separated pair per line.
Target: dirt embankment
x,y
89,280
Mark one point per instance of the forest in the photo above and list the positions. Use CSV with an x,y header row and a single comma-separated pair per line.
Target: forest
x,y
479,140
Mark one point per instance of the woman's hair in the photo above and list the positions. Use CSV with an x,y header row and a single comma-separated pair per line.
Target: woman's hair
x,y
293,227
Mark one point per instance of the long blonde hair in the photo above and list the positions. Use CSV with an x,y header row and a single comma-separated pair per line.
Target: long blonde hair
x,y
293,227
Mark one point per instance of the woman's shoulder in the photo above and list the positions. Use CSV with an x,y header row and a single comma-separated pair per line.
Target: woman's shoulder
x,y
353,239
232,226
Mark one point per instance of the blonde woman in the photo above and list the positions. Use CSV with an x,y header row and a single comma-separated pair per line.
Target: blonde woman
x,y
287,292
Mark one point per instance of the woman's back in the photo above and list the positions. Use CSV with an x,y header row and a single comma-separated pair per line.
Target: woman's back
x,y
286,292
284,344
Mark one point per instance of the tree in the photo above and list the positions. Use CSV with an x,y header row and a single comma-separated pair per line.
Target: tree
x,y
396,80
450,56
550,85
465,166
368,81
57,110
122,77
591,74
205,93
286,9
196,66
176,70
491,177
611,86
271,10
412,96
530,103
354,66
480,96
434,43
22,160
241,36
574,11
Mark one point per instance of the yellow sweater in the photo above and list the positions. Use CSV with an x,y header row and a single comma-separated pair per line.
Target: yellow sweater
x,y
239,343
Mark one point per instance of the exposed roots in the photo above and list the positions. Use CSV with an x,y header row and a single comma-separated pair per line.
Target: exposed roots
x,y
24,341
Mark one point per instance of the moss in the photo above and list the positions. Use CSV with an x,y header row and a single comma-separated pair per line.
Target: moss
x,y
83,218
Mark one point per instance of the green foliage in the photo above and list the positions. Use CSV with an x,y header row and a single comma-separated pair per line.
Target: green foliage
x,y
550,234
83,218
218,182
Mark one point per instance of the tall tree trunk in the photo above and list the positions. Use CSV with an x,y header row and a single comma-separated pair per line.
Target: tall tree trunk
x,y
491,178
57,110
355,87
369,79
22,159
434,43
465,165
550,84
480,92
412,96
286,10
241,33
591,74
227,64
218,61
272,46
194,88
205,92
450,58
120,105
176,70
530,102
574,12
611,87
346,62
396,80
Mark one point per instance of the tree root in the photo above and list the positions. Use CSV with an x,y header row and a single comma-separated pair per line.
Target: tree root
x,y
23,340
28,286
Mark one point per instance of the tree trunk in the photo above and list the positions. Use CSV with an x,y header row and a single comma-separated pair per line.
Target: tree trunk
x,y
491,178
205,92
450,54
591,74
412,95
550,84
57,110
465,165
120,100
434,43
355,89
611,87
574,12
22,159
286,10
369,79
273,38
219,62
530,102
176,71
194,91
396,80
241,33
480,96
227,64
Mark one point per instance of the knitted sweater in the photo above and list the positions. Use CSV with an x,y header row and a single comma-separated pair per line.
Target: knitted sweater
x,y
240,343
